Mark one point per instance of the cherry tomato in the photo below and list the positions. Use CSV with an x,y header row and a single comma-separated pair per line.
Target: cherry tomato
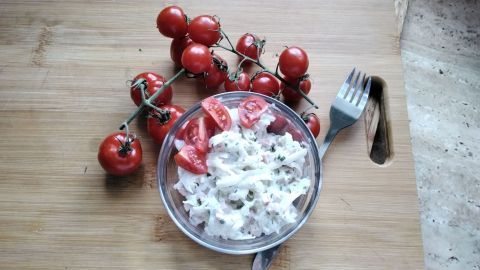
x,y
217,73
119,157
191,160
241,83
209,124
153,82
278,125
159,125
176,49
195,134
296,134
313,123
250,110
172,22
265,83
293,62
249,45
205,30
291,95
196,58
215,109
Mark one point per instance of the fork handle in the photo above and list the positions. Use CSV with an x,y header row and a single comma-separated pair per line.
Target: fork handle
x,y
332,132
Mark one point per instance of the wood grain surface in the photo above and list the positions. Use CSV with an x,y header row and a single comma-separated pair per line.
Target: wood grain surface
x,y
63,68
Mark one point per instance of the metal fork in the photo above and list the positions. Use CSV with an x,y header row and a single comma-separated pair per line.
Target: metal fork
x,y
347,106
346,110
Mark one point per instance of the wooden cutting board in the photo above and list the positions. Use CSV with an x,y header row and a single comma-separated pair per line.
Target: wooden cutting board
x,y
63,68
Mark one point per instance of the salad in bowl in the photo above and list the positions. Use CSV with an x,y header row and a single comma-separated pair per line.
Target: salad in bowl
x,y
238,172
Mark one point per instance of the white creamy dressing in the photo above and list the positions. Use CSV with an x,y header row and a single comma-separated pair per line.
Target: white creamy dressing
x,y
253,178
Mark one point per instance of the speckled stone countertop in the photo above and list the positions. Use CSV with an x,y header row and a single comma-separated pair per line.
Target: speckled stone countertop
x,y
441,56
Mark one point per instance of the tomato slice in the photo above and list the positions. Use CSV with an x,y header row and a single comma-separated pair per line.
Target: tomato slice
x,y
281,125
196,134
215,109
296,134
191,160
250,110
210,125
181,131
278,125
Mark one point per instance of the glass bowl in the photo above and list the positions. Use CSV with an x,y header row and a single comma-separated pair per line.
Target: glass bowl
x,y
167,176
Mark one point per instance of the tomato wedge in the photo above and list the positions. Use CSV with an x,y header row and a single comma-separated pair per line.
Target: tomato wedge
x,y
197,133
219,113
191,160
250,110
296,134
210,125
278,125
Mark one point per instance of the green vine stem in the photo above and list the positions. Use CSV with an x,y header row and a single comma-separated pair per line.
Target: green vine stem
x,y
263,67
147,102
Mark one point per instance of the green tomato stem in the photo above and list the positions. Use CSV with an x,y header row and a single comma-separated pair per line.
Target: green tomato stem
x,y
148,102
262,66
226,37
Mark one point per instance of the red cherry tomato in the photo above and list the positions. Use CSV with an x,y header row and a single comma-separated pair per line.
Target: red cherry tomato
x,y
215,109
196,134
217,73
158,126
296,134
204,29
196,58
293,62
172,22
209,124
278,125
249,45
181,131
291,95
250,110
119,157
153,82
242,83
313,123
176,49
265,83
191,160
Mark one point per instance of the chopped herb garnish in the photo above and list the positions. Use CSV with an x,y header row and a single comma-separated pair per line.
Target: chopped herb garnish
x,y
272,148
222,221
238,204
250,196
209,174
199,201
281,158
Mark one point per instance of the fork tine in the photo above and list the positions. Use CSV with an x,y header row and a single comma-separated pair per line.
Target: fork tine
x,y
366,93
356,86
346,85
358,90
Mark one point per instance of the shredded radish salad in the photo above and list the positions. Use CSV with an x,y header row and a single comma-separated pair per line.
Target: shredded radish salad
x,y
252,181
